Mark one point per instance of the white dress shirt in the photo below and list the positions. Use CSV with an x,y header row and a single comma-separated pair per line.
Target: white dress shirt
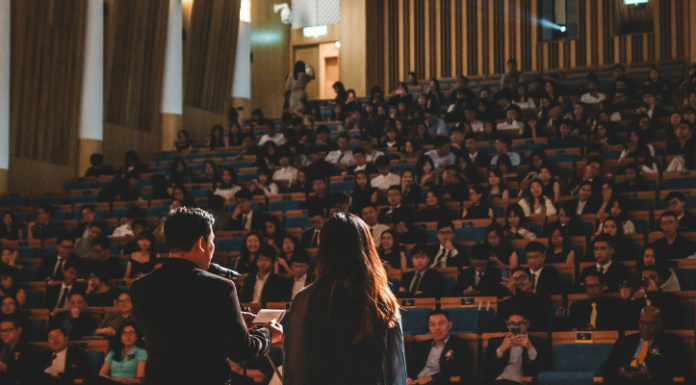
x,y
604,268
432,365
514,126
339,156
581,206
373,157
377,231
589,99
439,260
383,182
58,365
258,287
298,285
123,231
62,290
246,219
513,371
287,173
278,138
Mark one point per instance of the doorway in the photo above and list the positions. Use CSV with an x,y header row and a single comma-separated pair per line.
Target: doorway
x,y
328,71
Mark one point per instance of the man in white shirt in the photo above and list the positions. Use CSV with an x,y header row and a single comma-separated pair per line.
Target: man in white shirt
x,y
300,279
343,154
441,155
592,96
62,364
286,175
125,229
511,124
470,116
264,286
515,355
385,179
433,123
271,134
369,215
83,246
502,146
371,154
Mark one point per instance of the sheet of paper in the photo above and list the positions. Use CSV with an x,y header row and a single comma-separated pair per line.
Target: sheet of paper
x,y
267,315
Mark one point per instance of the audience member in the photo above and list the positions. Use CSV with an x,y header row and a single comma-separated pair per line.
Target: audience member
x,y
597,312
140,262
264,286
439,359
98,292
53,265
446,253
396,210
115,321
423,281
310,238
482,279
672,245
441,155
10,285
57,296
125,361
299,266
9,228
44,227
18,359
386,178
137,226
615,275
83,246
649,292
75,321
369,215
391,251
545,278
62,364
126,229
322,199
244,217
675,203
503,146
538,306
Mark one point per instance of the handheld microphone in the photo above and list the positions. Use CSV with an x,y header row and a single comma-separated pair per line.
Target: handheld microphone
x,y
223,271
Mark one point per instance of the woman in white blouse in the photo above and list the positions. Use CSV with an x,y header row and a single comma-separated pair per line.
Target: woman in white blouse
x,y
228,187
536,202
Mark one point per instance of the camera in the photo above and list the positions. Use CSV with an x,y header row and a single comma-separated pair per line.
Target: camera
x,y
285,12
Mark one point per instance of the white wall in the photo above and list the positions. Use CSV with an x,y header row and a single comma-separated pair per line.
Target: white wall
x,y
309,13
241,86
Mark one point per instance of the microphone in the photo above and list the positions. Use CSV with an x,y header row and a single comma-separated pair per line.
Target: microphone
x,y
223,271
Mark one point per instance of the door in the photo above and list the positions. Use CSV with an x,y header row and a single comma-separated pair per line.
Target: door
x,y
309,55
330,77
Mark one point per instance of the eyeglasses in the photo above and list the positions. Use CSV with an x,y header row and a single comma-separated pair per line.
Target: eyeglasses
x,y
445,232
7,330
593,286
517,324
520,278
129,333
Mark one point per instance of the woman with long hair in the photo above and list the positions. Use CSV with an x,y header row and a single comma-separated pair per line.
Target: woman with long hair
x,y
624,249
179,172
251,246
209,174
341,93
391,251
9,229
411,193
363,193
296,83
228,185
496,187
217,138
537,202
290,248
183,141
501,254
559,250
434,209
478,207
345,328
515,227
618,210
125,362
141,262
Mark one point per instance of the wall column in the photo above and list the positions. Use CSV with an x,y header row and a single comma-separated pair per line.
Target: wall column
x,y
92,103
172,87
4,95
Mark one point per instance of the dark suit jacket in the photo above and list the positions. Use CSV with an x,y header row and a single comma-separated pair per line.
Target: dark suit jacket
x,y
306,241
49,263
319,169
687,223
329,200
665,360
538,306
369,168
482,160
273,289
431,284
613,277
596,184
610,314
258,222
53,292
591,207
459,260
23,363
494,366
76,365
76,327
670,309
449,367
549,281
413,196
403,212
290,282
489,285
209,329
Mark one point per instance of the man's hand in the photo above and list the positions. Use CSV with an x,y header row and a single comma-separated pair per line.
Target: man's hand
x,y
409,381
626,291
402,289
507,342
3,367
624,374
523,340
237,211
276,331
419,292
248,319
424,380
641,375
471,291
509,283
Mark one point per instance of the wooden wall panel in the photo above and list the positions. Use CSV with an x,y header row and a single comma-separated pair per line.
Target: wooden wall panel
x,y
47,50
212,43
445,38
135,37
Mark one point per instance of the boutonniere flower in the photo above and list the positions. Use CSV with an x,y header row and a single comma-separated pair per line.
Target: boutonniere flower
x,y
130,357
16,356
655,352
449,355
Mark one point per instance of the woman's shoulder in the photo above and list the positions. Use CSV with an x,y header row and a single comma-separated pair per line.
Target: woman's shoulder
x,y
140,354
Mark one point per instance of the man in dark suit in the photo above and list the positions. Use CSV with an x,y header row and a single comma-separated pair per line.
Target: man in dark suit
x,y
76,322
597,312
62,364
18,359
360,159
445,253
319,168
300,279
650,356
423,281
592,175
322,199
583,204
436,360
310,238
481,279
670,310
614,273
538,306
57,296
545,279
672,245
518,354
478,158
264,286
396,212
212,331
243,217
102,259
675,204
52,266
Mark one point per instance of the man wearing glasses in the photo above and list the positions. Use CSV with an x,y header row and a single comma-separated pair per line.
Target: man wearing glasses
x,y
597,312
114,321
523,297
17,358
446,253
515,355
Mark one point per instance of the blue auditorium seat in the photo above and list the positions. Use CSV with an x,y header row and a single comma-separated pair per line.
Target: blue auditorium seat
x,y
77,186
21,217
96,361
448,287
687,278
228,244
682,183
415,321
466,234
345,187
580,357
284,205
119,212
13,201
26,252
34,299
687,321
565,378
78,199
48,200
248,177
115,249
464,319
30,273
35,330
394,285
158,211
301,222
48,251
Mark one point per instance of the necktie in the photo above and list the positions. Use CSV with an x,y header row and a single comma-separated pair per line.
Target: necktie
x,y
415,283
600,269
638,361
61,300
244,221
313,242
534,279
480,277
593,316
340,157
443,257
59,267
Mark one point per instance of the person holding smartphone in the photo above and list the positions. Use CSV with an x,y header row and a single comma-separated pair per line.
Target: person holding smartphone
x,y
515,355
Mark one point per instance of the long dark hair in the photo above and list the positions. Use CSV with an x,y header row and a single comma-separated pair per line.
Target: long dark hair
x,y
348,260
300,67
116,345
147,234
215,142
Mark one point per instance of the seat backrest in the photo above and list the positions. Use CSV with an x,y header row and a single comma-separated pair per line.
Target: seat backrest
x,y
96,360
687,278
34,299
35,330
415,321
464,319
581,357
687,321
